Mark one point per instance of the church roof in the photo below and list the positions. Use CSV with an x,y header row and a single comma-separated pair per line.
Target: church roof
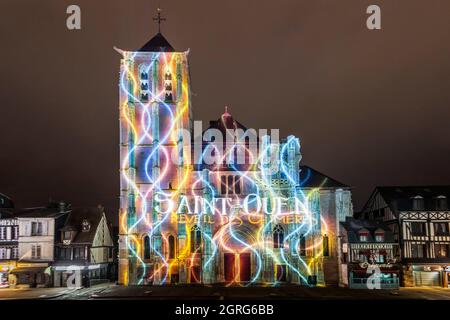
x,y
157,44
226,121
311,178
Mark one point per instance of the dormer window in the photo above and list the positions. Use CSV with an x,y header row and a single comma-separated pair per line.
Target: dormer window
x,y
441,203
379,236
418,203
363,236
67,235
85,226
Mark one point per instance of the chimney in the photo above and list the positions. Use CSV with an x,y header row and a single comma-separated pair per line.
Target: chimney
x,y
62,206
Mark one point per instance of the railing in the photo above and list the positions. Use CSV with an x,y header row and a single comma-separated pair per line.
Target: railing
x,y
386,283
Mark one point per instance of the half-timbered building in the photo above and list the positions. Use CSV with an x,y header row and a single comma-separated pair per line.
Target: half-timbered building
x,y
369,254
419,218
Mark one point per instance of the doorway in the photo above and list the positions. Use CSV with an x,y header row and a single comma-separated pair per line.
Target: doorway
x,y
233,263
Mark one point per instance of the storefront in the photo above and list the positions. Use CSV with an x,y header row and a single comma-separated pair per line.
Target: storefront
x,y
79,276
5,269
32,275
447,277
360,277
428,275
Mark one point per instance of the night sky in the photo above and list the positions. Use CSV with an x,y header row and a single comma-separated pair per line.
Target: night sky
x,y
371,107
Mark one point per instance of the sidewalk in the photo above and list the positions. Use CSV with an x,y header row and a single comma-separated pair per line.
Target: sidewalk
x,y
33,293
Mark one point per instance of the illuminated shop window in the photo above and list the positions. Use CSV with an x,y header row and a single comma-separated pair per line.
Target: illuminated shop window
x,y
196,239
442,250
278,237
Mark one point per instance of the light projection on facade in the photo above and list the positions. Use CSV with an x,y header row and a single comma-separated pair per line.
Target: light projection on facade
x,y
185,219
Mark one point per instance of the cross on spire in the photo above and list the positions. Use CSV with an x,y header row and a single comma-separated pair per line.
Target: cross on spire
x,y
159,19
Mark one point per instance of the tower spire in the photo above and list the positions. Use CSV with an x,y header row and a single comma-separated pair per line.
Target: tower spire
x,y
159,19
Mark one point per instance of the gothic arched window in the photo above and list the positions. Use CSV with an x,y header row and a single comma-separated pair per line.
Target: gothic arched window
x,y
144,82
171,247
196,238
278,237
230,184
302,246
146,247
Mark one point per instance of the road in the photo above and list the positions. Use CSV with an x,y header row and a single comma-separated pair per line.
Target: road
x,y
111,291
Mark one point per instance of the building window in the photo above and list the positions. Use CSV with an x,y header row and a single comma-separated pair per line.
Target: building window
x,y
364,236
67,235
418,203
144,83
380,257
441,203
78,253
196,238
326,246
379,237
36,228
418,228
3,253
223,184
231,184
302,246
168,96
441,228
278,237
110,252
171,247
15,253
441,250
418,251
2,233
146,247
364,255
237,185
36,251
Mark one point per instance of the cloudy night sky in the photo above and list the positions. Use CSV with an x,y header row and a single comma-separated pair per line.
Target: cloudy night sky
x,y
371,107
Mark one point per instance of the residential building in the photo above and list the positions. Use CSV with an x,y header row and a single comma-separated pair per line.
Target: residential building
x,y
9,235
36,242
419,217
84,247
370,254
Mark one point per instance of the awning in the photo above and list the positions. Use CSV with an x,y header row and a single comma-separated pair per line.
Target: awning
x,y
29,270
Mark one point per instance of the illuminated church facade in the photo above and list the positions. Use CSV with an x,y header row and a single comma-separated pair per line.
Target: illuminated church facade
x,y
183,220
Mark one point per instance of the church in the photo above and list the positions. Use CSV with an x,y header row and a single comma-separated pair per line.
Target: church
x,y
261,218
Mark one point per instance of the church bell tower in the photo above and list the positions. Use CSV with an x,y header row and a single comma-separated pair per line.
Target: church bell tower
x,y
154,104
